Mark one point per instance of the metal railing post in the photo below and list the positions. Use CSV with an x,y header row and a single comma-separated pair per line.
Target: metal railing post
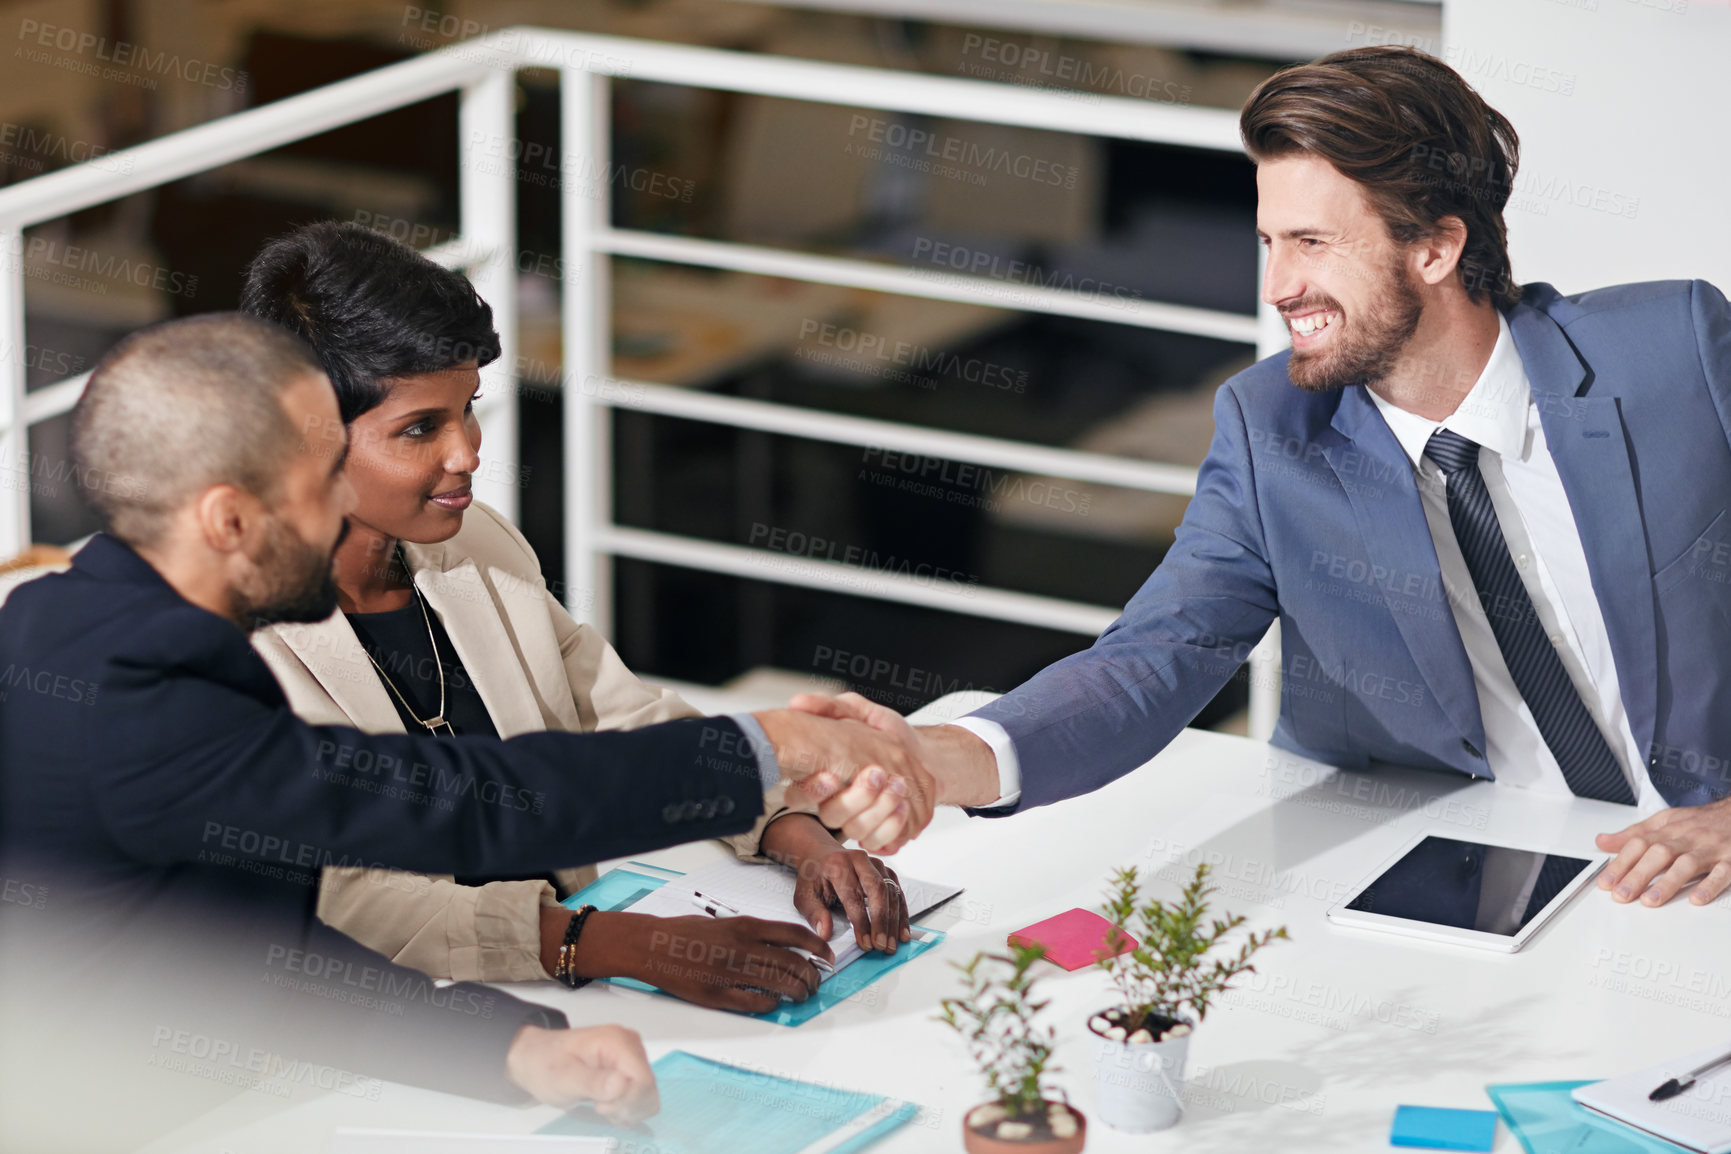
x,y
14,431
487,193
585,130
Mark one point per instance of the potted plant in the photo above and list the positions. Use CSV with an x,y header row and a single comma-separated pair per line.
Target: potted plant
x,y
996,1017
1166,982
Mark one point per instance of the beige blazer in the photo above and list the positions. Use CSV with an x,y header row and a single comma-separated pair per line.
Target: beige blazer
x,y
535,669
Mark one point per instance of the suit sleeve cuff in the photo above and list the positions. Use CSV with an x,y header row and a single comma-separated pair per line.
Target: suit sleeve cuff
x,y
768,768
1004,750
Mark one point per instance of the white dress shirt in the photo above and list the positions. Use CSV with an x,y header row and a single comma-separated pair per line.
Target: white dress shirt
x,y
1533,510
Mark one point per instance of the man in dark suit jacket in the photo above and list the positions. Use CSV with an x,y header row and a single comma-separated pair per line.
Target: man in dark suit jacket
x,y
164,816
1491,521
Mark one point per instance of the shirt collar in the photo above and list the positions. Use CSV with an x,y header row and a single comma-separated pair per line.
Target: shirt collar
x,y
1492,414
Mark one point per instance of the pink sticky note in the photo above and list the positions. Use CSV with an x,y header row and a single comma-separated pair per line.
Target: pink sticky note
x,y
1073,939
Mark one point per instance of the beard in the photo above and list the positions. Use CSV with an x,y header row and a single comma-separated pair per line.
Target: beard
x,y
292,581
1365,350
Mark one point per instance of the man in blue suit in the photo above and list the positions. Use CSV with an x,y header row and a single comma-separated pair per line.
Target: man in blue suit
x,y
1490,519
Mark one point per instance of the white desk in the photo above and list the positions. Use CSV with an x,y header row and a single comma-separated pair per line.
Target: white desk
x,y
1337,1028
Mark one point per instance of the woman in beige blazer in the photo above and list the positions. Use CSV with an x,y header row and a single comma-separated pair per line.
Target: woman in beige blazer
x,y
445,622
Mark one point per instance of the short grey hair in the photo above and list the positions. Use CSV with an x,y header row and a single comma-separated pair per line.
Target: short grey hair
x,y
180,406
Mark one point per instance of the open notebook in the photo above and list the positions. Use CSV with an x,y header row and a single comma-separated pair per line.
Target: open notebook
x,y
1697,1119
760,891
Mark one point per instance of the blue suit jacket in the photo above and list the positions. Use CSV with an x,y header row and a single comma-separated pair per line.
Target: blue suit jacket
x,y
1306,509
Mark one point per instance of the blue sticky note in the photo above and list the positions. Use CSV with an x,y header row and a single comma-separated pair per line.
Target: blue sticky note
x,y
1438,1129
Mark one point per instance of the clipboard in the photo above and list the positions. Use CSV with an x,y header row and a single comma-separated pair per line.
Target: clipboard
x,y
621,888
1545,1120
708,1105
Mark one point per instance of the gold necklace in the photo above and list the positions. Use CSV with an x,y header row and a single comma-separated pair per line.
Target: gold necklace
x,y
430,724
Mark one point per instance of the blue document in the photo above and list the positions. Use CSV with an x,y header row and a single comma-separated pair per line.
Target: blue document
x,y
618,889
1547,1121
708,1106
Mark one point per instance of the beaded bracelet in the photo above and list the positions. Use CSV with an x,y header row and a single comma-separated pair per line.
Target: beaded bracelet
x,y
565,969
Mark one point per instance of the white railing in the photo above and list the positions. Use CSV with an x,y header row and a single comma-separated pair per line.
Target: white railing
x,y
482,71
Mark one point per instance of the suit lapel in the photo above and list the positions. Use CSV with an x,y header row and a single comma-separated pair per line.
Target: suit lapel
x,y
523,605
487,648
1587,441
1397,539
333,655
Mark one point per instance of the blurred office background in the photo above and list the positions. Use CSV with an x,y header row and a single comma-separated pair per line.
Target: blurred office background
x,y
1622,181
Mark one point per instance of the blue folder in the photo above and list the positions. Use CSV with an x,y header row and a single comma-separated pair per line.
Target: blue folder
x,y
618,889
708,1106
1547,1121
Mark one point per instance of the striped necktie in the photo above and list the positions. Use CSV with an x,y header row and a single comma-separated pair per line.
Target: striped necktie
x,y
1568,729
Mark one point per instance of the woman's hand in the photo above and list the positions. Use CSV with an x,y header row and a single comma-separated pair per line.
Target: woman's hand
x,y
737,963
724,963
829,872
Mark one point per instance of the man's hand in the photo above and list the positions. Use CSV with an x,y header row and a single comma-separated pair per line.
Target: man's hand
x,y
601,1064
820,753
1668,851
829,873
965,770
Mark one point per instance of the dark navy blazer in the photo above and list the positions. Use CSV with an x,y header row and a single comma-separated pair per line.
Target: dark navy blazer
x,y
173,815
1306,510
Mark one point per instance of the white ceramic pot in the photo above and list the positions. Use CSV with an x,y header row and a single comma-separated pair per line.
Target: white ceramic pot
x,y
1139,1086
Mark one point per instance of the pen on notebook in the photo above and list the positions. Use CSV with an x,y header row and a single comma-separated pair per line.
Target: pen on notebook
x,y
1676,1086
714,907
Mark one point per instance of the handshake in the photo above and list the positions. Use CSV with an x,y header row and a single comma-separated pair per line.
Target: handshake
x,y
873,776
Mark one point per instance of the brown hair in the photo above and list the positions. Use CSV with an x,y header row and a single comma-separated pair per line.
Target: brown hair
x,y
1413,134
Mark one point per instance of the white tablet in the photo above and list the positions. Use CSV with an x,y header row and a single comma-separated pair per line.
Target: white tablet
x,y
1493,897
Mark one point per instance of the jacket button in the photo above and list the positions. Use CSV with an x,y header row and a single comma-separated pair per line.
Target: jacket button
x,y
724,806
1472,750
670,814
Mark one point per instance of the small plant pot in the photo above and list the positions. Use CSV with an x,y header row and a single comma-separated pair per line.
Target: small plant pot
x,y
1138,1085
1041,1140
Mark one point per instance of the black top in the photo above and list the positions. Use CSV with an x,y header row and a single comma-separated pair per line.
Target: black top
x,y
398,641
